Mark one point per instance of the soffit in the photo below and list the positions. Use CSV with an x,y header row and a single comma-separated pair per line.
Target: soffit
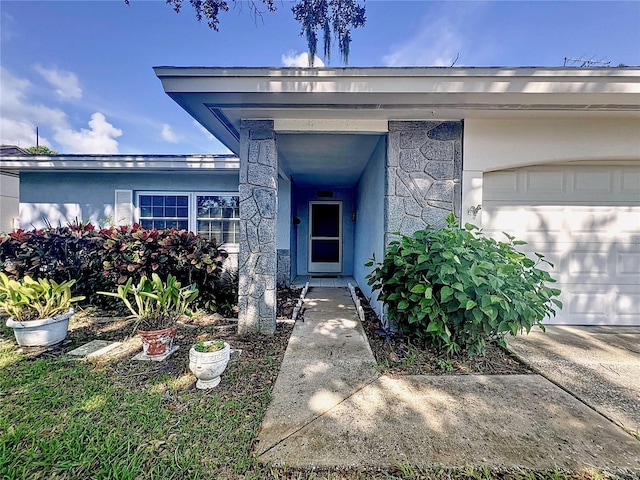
x,y
219,98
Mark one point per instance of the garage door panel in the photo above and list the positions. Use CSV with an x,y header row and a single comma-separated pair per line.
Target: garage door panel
x,y
583,219
533,222
628,263
627,305
598,304
630,185
584,184
548,181
599,181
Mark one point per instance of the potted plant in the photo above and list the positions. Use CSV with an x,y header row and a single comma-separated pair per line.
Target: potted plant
x,y
156,307
39,310
207,361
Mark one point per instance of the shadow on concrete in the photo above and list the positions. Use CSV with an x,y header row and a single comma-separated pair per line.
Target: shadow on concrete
x,y
599,365
330,408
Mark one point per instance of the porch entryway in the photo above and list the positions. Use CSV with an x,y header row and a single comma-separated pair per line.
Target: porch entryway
x,y
324,281
325,237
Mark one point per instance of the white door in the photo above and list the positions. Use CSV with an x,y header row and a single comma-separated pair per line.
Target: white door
x,y
586,220
325,237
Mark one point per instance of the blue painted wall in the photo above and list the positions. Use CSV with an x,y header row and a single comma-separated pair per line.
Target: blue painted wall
x,y
60,197
369,228
304,196
293,237
283,220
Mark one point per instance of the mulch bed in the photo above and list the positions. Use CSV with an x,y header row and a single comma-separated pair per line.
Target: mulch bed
x,y
395,355
405,355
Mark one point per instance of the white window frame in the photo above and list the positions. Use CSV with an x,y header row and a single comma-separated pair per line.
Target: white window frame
x,y
192,206
229,247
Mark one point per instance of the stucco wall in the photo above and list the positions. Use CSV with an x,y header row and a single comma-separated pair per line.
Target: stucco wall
x,y
500,144
304,196
293,232
61,197
283,231
9,201
369,229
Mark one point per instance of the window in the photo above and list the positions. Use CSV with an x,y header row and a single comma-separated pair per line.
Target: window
x,y
218,217
214,216
164,211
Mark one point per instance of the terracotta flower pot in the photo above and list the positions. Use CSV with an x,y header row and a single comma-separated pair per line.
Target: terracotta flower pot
x,y
157,342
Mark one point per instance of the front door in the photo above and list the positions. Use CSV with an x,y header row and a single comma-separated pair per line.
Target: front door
x,y
325,237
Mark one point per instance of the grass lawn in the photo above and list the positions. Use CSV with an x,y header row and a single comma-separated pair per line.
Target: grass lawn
x,y
114,418
67,418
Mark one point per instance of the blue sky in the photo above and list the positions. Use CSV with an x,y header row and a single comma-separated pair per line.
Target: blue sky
x,y
82,70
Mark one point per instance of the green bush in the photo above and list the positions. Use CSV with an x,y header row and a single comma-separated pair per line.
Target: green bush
x,y
60,254
457,289
100,260
134,252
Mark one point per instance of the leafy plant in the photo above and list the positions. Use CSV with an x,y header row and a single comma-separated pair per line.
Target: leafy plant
x,y
134,252
224,298
455,288
59,254
156,304
329,17
100,260
445,365
30,299
208,347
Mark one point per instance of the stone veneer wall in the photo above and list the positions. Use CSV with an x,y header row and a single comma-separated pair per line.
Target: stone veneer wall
x,y
424,168
283,277
257,258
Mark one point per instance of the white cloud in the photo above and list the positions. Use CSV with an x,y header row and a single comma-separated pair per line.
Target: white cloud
x,y
99,138
447,29
65,82
168,135
436,45
21,114
291,59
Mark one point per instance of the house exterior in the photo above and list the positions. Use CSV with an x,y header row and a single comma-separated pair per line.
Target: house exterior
x,y
332,163
9,192
194,192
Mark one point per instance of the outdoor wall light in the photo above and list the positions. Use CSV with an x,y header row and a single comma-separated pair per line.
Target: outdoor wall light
x,y
474,210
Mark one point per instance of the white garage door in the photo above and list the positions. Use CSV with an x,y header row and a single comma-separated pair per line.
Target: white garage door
x,y
586,220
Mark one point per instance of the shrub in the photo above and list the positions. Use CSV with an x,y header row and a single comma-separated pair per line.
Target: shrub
x,y
100,260
134,252
226,293
457,289
60,254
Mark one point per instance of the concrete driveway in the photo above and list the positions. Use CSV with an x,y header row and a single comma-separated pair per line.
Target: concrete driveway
x,y
599,365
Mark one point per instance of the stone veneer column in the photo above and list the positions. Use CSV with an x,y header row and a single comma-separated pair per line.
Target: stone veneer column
x,y
258,210
424,168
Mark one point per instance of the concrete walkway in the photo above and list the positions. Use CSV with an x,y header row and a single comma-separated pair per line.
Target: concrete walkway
x,y
330,408
600,365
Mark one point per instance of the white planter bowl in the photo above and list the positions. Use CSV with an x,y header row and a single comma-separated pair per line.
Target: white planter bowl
x,y
208,366
41,333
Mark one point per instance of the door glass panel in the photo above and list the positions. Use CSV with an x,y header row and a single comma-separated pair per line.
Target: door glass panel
x,y
325,251
325,220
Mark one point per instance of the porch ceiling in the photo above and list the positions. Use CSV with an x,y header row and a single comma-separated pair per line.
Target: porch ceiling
x,y
219,98
325,160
